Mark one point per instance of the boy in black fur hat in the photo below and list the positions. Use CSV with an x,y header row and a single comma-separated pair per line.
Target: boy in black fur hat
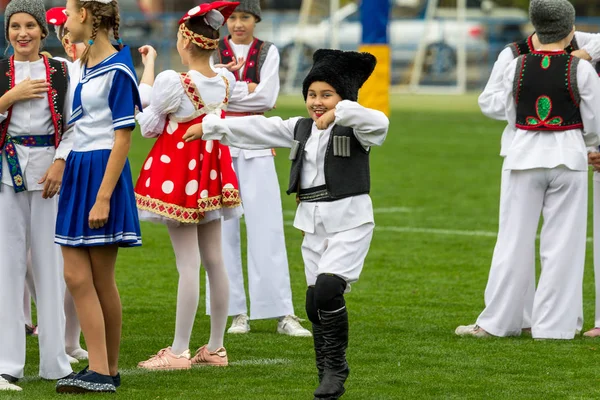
x,y
335,211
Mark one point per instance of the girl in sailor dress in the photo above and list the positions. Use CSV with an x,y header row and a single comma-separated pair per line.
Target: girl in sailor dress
x,y
191,186
97,212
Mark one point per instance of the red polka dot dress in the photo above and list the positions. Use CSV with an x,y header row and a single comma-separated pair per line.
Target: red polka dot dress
x,y
188,183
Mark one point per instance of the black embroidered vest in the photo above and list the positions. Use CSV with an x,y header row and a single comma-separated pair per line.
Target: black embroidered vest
x,y
57,74
256,58
546,92
346,163
526,46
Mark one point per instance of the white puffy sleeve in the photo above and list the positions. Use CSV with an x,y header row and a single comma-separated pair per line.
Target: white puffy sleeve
x,y
491,101
589,90
145,94
590,42
167,94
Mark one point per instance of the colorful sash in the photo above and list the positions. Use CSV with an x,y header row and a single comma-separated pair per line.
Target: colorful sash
x,y
12,157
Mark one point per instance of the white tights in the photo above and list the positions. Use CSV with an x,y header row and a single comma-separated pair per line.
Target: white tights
x,y
192,245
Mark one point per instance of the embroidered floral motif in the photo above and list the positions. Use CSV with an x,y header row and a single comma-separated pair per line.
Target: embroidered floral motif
x,y
546,61
18,179
543,107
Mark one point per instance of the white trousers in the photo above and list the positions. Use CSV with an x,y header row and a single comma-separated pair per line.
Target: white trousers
x,y
491,287
268,271
560,196
28,222
596,205
339,253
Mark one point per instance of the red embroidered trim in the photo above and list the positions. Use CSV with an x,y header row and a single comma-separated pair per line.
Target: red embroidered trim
x,y
252,47
549,128
52,96
6,122
530,44
520,79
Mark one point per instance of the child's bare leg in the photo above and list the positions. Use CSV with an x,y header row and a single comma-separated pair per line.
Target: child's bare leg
x,y
80,282
103,261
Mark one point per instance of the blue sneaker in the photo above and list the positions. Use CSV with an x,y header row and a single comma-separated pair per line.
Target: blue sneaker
x,y
88,382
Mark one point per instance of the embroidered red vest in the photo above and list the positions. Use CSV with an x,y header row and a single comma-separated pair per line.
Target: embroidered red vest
x,y
57,74
256,57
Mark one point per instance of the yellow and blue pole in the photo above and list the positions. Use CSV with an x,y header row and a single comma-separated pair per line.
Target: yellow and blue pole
x,y
375,16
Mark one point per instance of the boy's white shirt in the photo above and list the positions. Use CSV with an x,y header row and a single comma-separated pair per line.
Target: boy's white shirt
x,y
549,149
370,129
25,121
491,100
265,94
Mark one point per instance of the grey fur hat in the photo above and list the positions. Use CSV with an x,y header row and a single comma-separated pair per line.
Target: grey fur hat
x,y
35,8
250,7
553,20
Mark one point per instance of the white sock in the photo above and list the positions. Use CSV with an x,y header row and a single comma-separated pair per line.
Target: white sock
x,y
209,241
184,239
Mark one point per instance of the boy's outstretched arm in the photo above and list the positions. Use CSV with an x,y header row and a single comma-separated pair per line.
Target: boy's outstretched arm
x,y
251,133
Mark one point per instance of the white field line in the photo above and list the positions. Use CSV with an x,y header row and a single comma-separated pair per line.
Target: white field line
x,y
434,231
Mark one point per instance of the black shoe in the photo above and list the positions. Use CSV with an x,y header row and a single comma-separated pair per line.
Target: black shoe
x,y
88,382
70,376
335,336
116,380
9,378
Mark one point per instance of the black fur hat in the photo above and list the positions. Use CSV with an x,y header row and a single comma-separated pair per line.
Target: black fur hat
x,y
346,71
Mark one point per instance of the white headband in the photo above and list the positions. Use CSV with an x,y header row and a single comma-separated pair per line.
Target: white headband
x,y
98,1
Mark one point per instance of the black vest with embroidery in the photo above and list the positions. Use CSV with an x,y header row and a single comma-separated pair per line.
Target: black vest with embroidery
x,y
546,92
257,55
526,46
57,74
346,163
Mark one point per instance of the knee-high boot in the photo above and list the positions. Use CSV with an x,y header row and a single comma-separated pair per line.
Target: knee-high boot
x,y
319,342
335,335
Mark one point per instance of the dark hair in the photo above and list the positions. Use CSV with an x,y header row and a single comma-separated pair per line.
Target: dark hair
x,y
200,27
105,16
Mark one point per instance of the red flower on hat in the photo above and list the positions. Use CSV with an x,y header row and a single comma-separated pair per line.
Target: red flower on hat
x,y
224,7
56,16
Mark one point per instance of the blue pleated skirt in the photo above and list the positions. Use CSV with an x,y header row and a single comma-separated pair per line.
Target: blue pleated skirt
x,y
82,178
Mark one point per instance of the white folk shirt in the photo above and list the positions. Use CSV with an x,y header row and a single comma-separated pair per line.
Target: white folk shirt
x,y
169,99
491,100
33,117
370,128
264,96
549,149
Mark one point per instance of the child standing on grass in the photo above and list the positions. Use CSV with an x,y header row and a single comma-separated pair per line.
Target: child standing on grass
x,y
34,142
255,93
585,46
97,212
330,175
191,186
550,99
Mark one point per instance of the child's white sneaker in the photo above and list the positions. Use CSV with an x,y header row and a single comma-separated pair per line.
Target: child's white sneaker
x,y
471,330
290,325
239,324
6,385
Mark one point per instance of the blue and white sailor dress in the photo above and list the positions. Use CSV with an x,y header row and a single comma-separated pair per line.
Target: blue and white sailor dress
x,y
104,101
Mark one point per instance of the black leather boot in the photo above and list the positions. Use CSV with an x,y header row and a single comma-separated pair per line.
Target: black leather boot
x,y
335,334
319,342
